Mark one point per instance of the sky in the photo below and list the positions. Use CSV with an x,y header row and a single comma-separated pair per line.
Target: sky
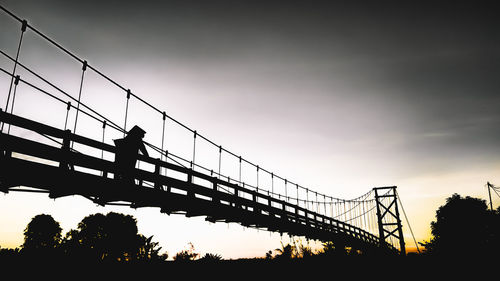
x,y
338,96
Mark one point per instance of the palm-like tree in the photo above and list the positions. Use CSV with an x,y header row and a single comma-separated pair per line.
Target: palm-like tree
x,y
285,252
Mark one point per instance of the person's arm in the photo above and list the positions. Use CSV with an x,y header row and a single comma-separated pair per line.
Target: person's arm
x,y
143,150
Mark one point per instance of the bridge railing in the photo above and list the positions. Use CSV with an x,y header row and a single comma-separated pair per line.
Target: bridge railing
x,y
214,189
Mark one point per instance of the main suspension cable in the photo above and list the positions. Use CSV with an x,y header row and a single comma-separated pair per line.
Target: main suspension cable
x,y
23,29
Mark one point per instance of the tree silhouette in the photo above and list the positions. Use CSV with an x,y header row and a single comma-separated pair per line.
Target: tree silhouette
x,y
209,257
464,226
90,237
304,251
329,249
186,255
111,237
42,235
149,250
269,255
285,252
7,254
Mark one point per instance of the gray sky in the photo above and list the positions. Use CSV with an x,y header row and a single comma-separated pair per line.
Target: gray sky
x,y
342,96
425,73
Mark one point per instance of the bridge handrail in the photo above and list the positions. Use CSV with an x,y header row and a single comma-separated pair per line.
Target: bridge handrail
x,y
317,219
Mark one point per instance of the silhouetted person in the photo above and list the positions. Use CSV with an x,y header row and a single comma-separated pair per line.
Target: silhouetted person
x,y
127,150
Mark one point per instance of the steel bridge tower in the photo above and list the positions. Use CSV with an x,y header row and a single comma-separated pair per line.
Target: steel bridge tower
x,y
389,223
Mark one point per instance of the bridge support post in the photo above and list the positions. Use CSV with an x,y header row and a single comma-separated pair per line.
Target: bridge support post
x,y
215,197
4,156
237,198
254,199
66,148
389,223
190,192
157,175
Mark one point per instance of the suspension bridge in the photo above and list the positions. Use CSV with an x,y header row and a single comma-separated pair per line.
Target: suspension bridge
x,y
53,159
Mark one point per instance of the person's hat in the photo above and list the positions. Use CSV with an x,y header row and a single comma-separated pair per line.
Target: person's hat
x,y
137,131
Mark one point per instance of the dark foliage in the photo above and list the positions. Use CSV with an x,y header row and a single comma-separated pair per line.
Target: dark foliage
x,y
110,237
464,227
42,236
186,255
99,238
43,232
211,258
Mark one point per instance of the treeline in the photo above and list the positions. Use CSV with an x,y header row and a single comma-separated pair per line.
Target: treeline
x,y
98,237
464,228
114,237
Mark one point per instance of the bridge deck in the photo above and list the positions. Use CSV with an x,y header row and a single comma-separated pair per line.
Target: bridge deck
x,y
26,162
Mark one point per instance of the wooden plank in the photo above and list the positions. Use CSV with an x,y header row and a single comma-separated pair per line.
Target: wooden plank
x,y
51,131
30,125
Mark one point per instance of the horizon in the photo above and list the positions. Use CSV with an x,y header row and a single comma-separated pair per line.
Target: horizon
x,y
343,98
